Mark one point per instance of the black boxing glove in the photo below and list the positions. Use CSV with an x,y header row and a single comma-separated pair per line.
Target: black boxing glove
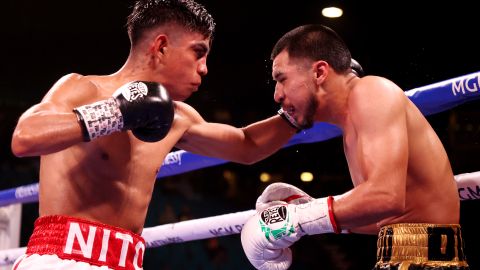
x,y
356,68
290,120
143,107
146,108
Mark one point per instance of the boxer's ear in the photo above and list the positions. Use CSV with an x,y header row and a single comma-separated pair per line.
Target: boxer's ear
x,y
320,70
159,45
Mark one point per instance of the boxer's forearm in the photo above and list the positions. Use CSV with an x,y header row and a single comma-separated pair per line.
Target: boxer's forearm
x,y
44,132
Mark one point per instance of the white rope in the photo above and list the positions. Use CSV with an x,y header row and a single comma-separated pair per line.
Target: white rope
x,y
468,185
196,229
8,256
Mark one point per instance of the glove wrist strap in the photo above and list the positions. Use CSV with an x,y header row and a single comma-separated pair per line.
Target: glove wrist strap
x,y
99,118
317,217
331,216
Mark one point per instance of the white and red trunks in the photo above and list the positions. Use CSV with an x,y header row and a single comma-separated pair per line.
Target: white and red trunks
x,y
68,241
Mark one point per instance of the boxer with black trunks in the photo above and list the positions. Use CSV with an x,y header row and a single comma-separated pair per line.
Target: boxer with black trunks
x,y
102,139
404,188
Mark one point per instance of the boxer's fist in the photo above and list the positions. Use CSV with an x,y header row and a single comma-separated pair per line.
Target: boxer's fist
x,y
356,68
267,236
146,108
290,120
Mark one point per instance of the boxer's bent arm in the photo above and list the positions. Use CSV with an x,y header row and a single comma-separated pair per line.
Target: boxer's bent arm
x,y
42,131
381,156
51,125
243,145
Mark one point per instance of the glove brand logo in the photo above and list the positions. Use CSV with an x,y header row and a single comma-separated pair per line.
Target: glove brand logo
x,y
275,222
274,215
134,90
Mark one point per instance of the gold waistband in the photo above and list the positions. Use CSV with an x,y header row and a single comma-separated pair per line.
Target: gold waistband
x,y
421,243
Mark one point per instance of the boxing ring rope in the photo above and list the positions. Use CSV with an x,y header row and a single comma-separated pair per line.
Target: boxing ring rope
x,y
429,99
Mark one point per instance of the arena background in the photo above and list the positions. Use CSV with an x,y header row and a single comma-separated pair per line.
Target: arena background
x,y
410,44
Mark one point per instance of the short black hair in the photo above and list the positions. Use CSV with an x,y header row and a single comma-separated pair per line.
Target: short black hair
x,y
148,14
315,42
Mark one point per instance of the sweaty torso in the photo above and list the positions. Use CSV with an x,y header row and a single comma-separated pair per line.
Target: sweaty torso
x,y
109,179
431,193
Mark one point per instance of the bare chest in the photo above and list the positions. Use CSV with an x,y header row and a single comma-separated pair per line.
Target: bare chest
x,y
124,154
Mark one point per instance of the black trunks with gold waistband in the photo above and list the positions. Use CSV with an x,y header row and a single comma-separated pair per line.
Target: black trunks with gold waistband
x,y
415,246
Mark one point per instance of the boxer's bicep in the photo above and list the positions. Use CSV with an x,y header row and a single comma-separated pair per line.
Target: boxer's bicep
x,y
382,141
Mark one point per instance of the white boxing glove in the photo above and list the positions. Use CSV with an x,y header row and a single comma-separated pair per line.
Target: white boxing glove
x,y
267,236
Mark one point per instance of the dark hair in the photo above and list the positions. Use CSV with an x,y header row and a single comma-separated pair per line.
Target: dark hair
x,y
315,42
148,14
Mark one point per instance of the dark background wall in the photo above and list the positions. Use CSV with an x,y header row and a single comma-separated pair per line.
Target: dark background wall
x,y
410,44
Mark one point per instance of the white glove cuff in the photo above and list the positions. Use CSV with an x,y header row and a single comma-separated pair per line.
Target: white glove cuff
x,y
316,217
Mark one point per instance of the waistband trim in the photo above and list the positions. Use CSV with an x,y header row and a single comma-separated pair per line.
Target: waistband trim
x,y
87,241
421,243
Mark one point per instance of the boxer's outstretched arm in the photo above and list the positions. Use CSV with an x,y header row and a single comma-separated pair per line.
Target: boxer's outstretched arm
x,y
51,125
243,145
